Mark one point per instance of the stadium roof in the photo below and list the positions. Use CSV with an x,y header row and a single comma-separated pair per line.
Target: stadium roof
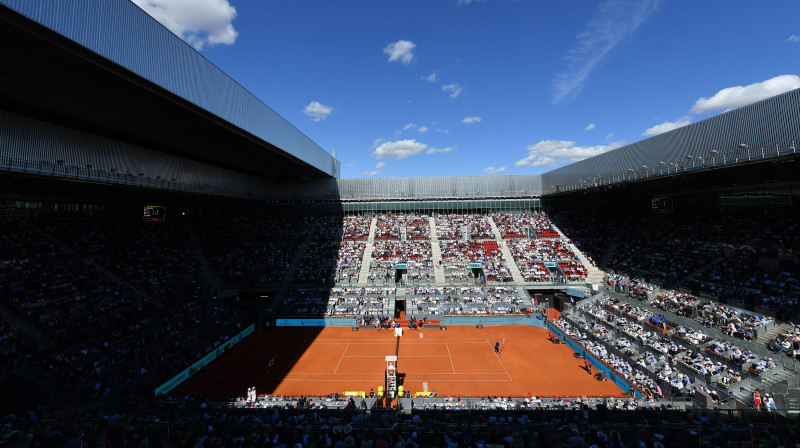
x,y
72,63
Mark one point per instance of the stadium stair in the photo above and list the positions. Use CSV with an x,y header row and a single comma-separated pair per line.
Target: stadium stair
x,y
363,275
390,304
595,275
436,255
511,263
495,230
516,275
780,327
438,268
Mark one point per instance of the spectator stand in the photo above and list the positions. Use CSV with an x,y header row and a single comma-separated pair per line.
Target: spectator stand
x,y
548,261
401,262
469,301
754,378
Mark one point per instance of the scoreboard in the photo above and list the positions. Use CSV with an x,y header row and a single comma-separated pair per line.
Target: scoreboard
x,y
661,205
155,213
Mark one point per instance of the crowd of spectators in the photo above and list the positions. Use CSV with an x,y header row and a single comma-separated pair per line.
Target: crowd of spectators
x,y
359,302
742,258
472,226
349,259
265,252
534,423
469,300
403,227
788,343
533,256
524,225
416,255
705,360
356,227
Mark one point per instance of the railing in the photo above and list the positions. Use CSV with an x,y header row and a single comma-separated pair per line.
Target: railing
x,y
111,176
741,153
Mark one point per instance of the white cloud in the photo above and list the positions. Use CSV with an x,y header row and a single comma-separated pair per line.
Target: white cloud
x,y
370,173
380,165
467,2
493,170
433,77
454,89
589,127
422,129
609,136
353,162
399,149
738,96
443,131
615,21
667,126
198,22
317,111
793,38
409,126
535,161
402,50
470,120
554,152
433,150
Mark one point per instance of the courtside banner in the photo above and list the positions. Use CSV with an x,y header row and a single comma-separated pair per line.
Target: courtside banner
x,y
181,377
317,322
600,366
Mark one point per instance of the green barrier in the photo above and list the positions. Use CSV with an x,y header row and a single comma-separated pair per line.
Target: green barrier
x,y
194,368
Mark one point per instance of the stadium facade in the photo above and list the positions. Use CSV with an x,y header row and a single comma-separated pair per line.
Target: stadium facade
x,y
55,124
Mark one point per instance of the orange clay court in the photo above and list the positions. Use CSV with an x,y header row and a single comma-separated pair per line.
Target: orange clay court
x,y
459,361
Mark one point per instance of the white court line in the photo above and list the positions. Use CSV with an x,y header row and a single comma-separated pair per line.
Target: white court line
x,y
415,373
350,380
423,379
415,340
340,359
466,381
498,359
451,357
404,356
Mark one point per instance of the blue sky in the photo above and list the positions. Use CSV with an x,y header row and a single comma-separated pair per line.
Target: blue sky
x,y
469,87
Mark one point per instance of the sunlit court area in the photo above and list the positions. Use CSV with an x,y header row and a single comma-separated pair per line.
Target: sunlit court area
x,y
460,223
460,361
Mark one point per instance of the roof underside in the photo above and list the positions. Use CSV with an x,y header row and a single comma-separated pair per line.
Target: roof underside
x,y
48,77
